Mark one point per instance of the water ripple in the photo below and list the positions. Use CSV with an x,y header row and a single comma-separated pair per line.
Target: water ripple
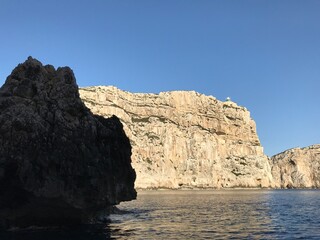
x,y
232,214
236,214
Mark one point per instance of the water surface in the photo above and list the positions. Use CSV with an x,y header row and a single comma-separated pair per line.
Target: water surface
x,y
210,214
247,214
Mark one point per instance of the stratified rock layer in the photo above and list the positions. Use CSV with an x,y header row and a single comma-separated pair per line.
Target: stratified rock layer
x,y
184,139
297,168
59,163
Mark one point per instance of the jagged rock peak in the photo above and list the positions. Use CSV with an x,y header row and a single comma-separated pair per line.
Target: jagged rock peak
x,y
59,163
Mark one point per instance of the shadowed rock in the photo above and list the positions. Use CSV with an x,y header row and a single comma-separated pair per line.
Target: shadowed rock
x,y
59,163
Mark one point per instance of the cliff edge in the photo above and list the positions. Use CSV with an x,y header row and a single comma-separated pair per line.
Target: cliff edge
x,y
183,139
59,163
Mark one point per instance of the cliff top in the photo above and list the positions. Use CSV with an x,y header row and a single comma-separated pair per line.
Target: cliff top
x,y
166,94
295,149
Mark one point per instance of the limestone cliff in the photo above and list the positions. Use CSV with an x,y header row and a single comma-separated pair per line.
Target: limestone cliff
x,y
59,163
183,139
297,168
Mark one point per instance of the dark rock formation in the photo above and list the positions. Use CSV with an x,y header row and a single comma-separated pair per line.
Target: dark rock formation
x,y
59,163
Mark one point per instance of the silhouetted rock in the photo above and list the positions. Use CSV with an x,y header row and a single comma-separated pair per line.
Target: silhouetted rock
x,y
59,163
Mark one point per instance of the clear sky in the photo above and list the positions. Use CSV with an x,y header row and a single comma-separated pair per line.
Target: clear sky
x,y
264,54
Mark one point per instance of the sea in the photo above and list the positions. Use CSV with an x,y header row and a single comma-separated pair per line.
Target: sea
x,y
200,214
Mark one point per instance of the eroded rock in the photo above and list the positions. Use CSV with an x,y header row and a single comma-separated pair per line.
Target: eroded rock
x,y
297,168
183,139
59,163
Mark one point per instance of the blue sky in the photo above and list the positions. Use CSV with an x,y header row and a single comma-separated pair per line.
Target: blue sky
x,y
264,54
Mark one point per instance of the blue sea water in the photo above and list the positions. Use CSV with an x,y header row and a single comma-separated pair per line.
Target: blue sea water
x,y
202,214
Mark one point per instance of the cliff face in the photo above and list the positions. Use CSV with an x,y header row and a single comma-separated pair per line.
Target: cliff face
x,y
59,163
184,139
297,168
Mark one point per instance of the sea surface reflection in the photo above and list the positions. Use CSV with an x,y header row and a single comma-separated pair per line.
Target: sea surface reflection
x,y
245,214
210,214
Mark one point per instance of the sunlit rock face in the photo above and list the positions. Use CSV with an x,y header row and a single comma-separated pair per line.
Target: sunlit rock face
x,y
297,168
59,163
183,139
